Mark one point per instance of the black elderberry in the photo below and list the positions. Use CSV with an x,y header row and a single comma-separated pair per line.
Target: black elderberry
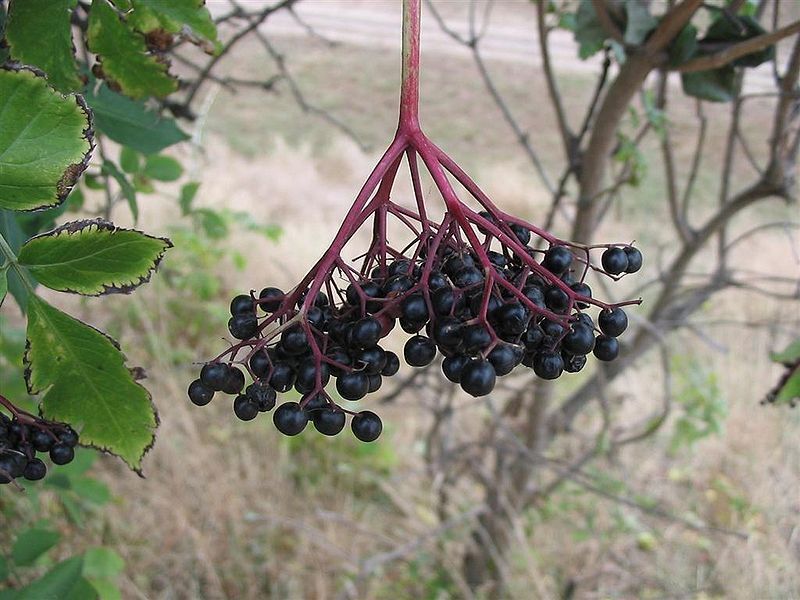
x,y
262,394
316,317
522,234
476,302
243,327
578,340
375,382
512,318
199,394
436,281
467,277
7,468
282,377
242,305
535,294
214,375
634,257
260,363
453,365
556,299
476,338
443,301
314,403
366,426
533,338
397,285
270,299
306,375
411,326
552,329
338,355
419,351
244,408
399,267
366,332
557,259
573,362
234,381
504,357
414,308
447,332
329,420
43,440
478,377
34,470
583,290
69,437
289,418
61,454
294,341
548,365
352,386
392,365
614,261
613,322
586,320
371,359
606,348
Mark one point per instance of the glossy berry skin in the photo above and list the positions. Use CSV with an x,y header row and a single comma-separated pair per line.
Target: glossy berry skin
x,y
366,332
214,375
478,378
582,289
556,299
548,365
475,338
244,408
613,322
606,348
243,327
242,305
260,363
329,420
270,299
294,341
557,260
375,382
372,359
419,351
352,386
447,332
282,378
579,340
453,365
614,261
522,234
512,318
392,365
307,373
634,259
366,426
61,454
199,394
7,468
414,308
314,404
234,381
42,440
34,470
289,418
504,358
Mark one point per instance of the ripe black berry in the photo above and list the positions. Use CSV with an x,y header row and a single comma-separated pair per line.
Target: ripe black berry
x,y
606,348
512,318
478,377
475,338
557,259
270,299
245,408
522,234
504,357
214,375
199,394
352,386
573,362
243,327
366,426
453,365
61,454
262,394
242,305
260,363
306,375
366,332
294,341
375,382
584,290
34,470
414,308
419,351
289,418
282,378
392,365
69,437
634,259
613,322
234,381
556,299
615,261
329,420
548,365
579,340
43,440
372,360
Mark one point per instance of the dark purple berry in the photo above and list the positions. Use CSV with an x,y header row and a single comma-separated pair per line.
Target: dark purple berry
x,y
199,393
557,259
329,420
366,426
548,365
244,408
289,418
419,351
352,386
606,348
478,377
61,454
613,322
634,257
214,375
615,261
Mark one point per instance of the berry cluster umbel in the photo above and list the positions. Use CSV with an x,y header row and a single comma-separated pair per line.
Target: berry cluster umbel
x,y
23,435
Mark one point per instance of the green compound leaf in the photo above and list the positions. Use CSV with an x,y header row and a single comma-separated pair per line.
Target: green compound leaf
x,y
123,56
39,34
87,384
57,583
93,258
31,544
129,123
151,15
45,141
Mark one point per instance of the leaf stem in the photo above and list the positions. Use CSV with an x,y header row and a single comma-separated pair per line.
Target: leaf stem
x,y
11,259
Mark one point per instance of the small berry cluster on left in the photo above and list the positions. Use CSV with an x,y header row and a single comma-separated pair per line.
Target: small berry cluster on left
x,y
20,441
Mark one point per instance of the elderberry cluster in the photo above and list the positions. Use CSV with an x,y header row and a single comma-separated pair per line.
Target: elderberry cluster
x,y
20,441
485,311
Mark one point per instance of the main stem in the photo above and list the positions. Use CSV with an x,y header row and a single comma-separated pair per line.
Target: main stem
x,y
409,91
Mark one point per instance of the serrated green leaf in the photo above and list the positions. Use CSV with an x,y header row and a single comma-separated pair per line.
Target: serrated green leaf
x,y
56,584
92,257
717,85
149,15
39,34
162,168
86,383
31,544
123,56
188,192
45,141
128,191
102,563
128,122
789,355
129,160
